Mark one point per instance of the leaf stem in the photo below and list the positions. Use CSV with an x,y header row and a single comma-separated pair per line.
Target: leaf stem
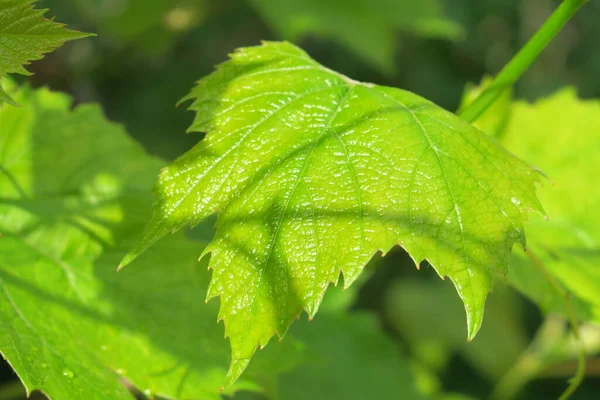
x,y
522,60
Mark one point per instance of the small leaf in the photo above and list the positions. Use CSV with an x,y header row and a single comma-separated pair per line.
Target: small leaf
x,y
374,24
312,173
25,36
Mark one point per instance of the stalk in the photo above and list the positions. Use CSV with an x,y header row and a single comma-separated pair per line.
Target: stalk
x,y
522,60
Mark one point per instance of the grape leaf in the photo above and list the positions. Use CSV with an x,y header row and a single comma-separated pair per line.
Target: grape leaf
x,y
25,36
70,325
73,190
563,139
368,28
312,173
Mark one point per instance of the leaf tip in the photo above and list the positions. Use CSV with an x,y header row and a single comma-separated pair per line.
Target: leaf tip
x,y
473,325
238,365
472,332
129,257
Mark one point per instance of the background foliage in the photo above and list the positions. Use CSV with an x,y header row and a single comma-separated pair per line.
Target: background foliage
x,y
149,53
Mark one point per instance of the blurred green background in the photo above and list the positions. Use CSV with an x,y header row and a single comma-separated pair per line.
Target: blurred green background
x,y
148,54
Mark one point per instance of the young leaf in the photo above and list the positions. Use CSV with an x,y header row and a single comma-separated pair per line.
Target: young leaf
x,y
374,24
563,139
25,36
73,190
312,173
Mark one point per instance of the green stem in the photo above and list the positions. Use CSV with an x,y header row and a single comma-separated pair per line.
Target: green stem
x,y
521,62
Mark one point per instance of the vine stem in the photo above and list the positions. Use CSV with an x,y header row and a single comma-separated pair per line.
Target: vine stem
x,y
522,60
528,366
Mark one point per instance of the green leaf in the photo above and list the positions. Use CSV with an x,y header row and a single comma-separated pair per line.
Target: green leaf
x,y
561,136
368,28
25,36
73,191
312,173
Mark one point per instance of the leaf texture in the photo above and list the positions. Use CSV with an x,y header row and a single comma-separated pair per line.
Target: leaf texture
x,y
25,36
312,173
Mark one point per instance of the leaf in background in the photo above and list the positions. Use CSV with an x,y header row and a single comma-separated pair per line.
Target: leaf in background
x,y
25,36
427,315
73,190
313,173
347,356
368,28
561,136
151,25
352,360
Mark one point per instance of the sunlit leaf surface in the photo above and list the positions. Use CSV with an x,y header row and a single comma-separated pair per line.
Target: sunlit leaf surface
x,y
312,173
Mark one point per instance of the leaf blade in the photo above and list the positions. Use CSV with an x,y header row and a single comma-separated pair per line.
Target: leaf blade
x,y
312,173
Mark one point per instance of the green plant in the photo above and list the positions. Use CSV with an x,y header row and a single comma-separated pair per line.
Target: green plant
x,y
310,173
